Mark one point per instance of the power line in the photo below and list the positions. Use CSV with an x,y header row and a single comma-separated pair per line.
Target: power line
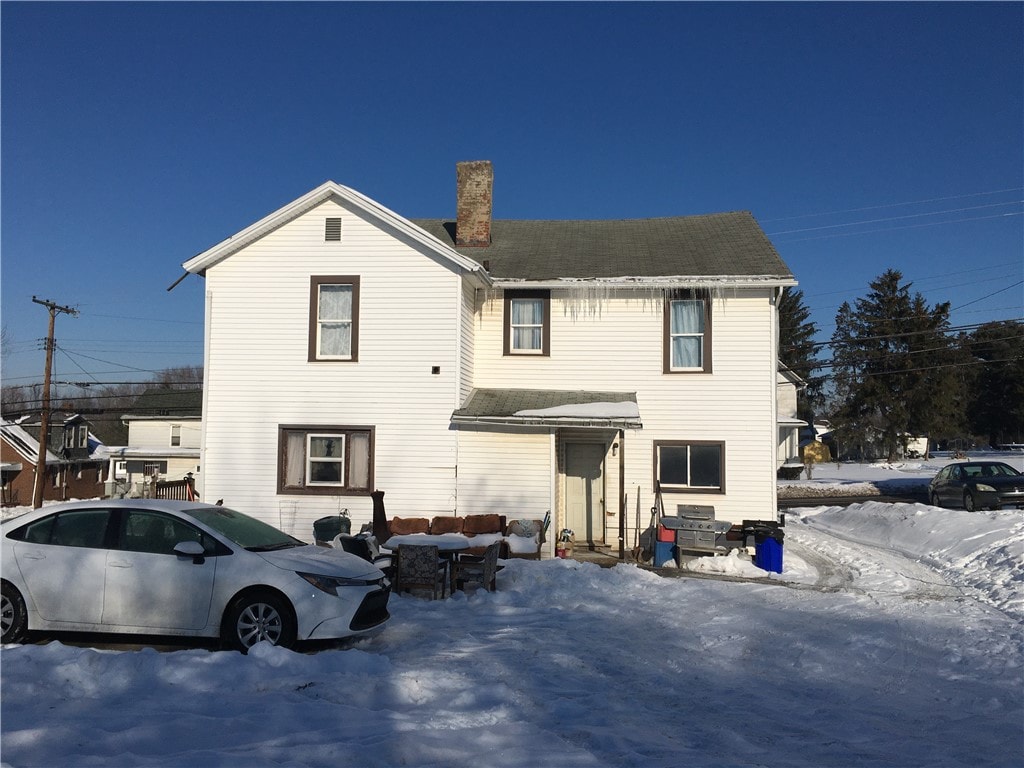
x,y
895,205
1001,290
909,226
895,218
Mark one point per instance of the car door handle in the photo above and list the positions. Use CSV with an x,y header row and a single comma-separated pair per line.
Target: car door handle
x,y
34,556
120,564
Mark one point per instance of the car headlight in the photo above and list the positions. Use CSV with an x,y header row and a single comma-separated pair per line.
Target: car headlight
x,y
330,584
985,487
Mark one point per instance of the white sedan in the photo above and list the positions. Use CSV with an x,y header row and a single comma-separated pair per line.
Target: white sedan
x,y
158,567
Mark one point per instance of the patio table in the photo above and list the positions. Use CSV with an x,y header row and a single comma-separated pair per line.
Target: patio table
x,y
445,542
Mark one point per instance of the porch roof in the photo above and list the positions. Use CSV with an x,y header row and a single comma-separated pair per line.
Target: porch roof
x,y
550,408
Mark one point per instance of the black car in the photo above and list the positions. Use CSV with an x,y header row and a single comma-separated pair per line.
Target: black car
x,y
977,485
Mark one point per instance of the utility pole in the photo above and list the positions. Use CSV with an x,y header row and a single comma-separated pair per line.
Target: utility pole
x,y
44,420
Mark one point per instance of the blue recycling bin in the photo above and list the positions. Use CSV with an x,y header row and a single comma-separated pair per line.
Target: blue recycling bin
x,y
768,554
663,553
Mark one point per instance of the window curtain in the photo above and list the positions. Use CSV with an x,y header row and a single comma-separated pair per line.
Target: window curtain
x,y
335,318
687,334
529,313
359,460
295,460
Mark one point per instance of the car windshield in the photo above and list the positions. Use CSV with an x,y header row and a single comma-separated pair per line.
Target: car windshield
x,y
247,532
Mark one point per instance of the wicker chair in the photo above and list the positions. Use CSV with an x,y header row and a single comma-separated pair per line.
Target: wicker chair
x,y
481,570
420,567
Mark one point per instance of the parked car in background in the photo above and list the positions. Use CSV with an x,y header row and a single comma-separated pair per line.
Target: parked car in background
x,y
156,567
977,485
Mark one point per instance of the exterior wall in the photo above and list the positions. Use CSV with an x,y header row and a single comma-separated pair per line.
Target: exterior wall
x,y
505,473
467,342
786,393
258,377
156,433
613,340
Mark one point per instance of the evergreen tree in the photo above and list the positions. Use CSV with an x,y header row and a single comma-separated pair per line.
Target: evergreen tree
x,y
797,348
894,368
996,405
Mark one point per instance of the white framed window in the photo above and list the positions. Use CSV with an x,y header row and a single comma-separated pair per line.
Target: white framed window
x,y
527,322
334,318
687,334
175,435
681,466
327,460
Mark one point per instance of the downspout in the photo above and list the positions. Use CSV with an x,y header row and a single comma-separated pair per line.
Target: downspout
x,y
622,494
774,374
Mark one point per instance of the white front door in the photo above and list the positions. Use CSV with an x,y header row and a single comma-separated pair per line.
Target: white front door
x,y
584,491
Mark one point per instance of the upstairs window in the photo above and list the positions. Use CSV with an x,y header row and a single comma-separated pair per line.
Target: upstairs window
x,y
175,435
527,322
334,318
687,334
325,460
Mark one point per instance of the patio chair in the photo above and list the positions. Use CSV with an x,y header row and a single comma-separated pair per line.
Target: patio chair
x,y
420,566
365,546
480,570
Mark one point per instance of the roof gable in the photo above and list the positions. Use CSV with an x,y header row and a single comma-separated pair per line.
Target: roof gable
x,y
201,262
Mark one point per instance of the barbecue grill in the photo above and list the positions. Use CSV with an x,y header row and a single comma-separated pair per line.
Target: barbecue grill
x,y
695,527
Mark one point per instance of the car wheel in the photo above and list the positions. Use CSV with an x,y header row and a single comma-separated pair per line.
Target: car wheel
x,y
256,617
933,499
13,617
969,501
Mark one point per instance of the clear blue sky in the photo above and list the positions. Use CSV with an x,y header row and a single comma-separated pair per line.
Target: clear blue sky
x,y
862,136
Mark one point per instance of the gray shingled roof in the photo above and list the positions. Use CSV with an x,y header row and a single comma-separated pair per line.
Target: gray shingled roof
x,y
167,403
540,406
719,244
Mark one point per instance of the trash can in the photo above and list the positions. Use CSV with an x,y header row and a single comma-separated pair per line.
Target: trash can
x,y
663,553
326,528
768,549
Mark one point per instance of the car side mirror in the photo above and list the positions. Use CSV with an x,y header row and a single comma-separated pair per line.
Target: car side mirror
x,y
191,549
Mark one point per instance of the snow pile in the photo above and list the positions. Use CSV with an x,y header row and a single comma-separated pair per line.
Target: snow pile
x,y
892,637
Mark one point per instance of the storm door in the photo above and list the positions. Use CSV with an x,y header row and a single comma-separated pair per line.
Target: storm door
x,y
584,491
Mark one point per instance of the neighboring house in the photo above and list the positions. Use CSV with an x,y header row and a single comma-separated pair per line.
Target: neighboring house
x,y
74,459
164,431
788,386
482,365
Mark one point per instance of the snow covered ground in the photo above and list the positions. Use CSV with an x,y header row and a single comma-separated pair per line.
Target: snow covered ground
x,y
893,637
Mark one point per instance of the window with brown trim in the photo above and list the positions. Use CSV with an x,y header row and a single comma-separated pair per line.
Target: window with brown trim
x,y
527,322
687,333
325,460
689,466
334,318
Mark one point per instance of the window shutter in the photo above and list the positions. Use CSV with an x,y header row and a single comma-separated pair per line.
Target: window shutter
x,y
332,230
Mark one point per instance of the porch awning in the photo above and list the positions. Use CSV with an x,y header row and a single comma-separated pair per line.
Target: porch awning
x,y
550,408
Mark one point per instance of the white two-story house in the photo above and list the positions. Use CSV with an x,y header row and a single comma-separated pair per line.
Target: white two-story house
x,y
477,365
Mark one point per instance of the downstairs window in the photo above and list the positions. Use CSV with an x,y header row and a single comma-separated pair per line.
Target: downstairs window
x,y
325,460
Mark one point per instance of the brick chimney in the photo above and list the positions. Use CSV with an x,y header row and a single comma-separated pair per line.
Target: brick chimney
x,y
474,182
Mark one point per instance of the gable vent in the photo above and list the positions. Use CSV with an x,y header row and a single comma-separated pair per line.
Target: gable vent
x,y
332,230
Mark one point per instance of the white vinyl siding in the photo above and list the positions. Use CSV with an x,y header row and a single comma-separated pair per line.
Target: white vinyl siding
x,y
260,381
506,473
153,433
